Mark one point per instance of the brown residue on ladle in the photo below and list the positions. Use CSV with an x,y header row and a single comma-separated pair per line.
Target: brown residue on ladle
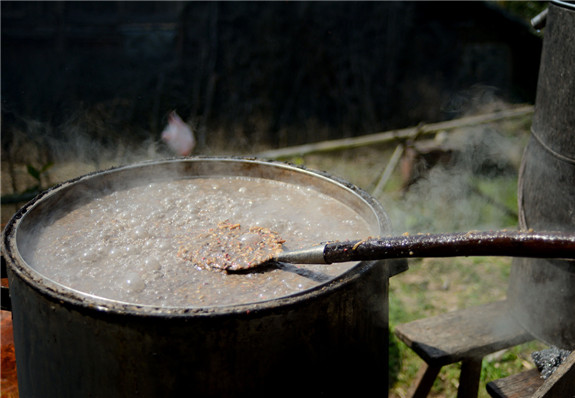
x,y
230,248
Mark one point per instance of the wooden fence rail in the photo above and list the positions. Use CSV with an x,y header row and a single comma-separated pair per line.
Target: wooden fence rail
x,y
395,135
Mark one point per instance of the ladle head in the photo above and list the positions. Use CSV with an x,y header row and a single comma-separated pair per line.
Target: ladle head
x,y
230,248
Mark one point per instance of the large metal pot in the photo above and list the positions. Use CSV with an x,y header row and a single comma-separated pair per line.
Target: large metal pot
x,y
328,339
542,291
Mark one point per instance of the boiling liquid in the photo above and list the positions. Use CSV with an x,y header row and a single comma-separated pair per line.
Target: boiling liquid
x,y
123,246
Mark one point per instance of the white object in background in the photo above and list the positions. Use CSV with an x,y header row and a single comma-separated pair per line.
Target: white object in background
x,y
178,135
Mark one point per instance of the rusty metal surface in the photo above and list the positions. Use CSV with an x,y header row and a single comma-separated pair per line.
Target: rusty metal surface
x,y
542,291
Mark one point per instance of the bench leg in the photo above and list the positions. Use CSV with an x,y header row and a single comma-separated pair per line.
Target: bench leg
x,y
424,381
469,378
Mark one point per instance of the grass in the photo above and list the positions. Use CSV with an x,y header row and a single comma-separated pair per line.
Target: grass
x,y
434,286
512,361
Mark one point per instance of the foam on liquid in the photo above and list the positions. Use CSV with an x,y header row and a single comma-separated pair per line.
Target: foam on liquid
x,y
123,245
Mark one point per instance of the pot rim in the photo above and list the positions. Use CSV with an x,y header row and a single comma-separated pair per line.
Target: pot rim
x,y
57,292
562,3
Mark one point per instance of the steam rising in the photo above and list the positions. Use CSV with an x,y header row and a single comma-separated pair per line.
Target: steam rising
x,y
448,195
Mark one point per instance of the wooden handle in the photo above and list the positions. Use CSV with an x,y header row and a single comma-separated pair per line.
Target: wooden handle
x,y
498,243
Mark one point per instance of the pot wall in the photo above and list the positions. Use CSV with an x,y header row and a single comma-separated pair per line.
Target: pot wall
x,y
333,344
542,291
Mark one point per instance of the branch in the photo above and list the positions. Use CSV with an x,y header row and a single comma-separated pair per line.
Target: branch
x,y
393,135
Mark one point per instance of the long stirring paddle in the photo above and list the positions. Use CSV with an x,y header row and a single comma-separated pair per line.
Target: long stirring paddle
x,y
230,248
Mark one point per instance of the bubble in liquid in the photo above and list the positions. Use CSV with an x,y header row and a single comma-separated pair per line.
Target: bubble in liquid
x,y
141,233
90,254
152,263
162,243
116,252
250,238
133,283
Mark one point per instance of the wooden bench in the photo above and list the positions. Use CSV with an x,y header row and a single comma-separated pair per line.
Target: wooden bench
x,y
464,336
529,384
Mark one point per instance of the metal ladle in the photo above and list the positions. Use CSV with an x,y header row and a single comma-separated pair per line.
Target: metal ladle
x,y
240,257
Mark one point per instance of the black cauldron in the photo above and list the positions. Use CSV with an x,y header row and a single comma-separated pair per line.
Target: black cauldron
x,y
331,339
